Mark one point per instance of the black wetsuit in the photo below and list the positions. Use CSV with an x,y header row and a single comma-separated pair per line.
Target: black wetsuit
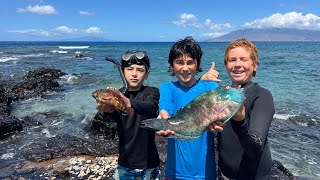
x,y
137,149
243,146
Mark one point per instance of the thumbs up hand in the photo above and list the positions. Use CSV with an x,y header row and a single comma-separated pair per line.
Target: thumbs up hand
x,y
211,75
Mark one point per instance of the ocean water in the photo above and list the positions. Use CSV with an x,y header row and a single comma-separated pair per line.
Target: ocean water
x,y
289,70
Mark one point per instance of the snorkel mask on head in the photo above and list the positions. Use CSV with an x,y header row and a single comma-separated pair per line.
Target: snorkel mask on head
x,y
135,57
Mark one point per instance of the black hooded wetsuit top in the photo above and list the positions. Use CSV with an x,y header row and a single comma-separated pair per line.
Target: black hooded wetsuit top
x,y
243,146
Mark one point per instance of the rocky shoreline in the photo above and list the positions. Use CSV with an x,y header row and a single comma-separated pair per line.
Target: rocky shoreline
x,y
64,156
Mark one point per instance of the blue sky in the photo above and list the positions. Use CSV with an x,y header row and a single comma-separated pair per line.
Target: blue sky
x,y
149,20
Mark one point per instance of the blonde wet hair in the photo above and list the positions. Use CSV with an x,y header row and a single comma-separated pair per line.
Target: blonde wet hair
x,y
247,45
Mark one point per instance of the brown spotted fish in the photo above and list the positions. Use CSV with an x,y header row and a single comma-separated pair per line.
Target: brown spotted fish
x,y
190,122
110,96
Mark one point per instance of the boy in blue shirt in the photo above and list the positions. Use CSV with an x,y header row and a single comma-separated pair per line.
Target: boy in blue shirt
x,y
186,159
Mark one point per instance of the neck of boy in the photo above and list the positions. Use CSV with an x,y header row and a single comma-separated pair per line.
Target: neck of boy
x,y
134,88
188,83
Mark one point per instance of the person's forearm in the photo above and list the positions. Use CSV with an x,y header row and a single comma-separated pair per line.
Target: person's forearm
x,y
251,143
253,138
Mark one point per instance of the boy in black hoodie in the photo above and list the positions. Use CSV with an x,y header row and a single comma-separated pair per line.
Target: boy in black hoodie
x,y
138,155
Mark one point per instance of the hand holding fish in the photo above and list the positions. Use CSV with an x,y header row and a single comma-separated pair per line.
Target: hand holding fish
x,y
240,115
165,133
164,115
216,126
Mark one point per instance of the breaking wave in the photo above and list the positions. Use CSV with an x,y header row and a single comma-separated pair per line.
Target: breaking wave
x,y
73,47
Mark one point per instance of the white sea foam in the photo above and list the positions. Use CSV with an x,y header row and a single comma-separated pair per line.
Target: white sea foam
x,y
283,116
62,52
47,133
30,55
17,57
7,156
87,58
304,124
73,47
68,79
58,51
5,59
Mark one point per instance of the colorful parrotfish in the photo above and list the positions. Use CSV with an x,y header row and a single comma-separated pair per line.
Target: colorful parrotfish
x,y
190,122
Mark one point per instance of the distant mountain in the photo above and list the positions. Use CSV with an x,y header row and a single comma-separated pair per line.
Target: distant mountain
x,y
272,34
88,38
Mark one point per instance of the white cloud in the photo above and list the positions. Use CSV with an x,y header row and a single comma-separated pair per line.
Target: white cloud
x,y
191,20
61,30
65,30
37,32
93,30
212,35
188,20
46,9
288,20
86,13
213,26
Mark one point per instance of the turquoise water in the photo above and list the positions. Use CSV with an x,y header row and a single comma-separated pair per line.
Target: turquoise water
x,y
289,70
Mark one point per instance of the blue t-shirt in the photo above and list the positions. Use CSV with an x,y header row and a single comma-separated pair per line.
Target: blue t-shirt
x,y
193,159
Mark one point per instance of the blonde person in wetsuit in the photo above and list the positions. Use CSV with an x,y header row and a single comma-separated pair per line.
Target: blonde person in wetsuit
x,y
243,147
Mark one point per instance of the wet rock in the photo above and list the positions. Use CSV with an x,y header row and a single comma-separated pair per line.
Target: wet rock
x,y
4,110
83,57
107,129
75,167
9,124
4,99
162,144
35,83
29,121
65,146
44,73
279,172
5,102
